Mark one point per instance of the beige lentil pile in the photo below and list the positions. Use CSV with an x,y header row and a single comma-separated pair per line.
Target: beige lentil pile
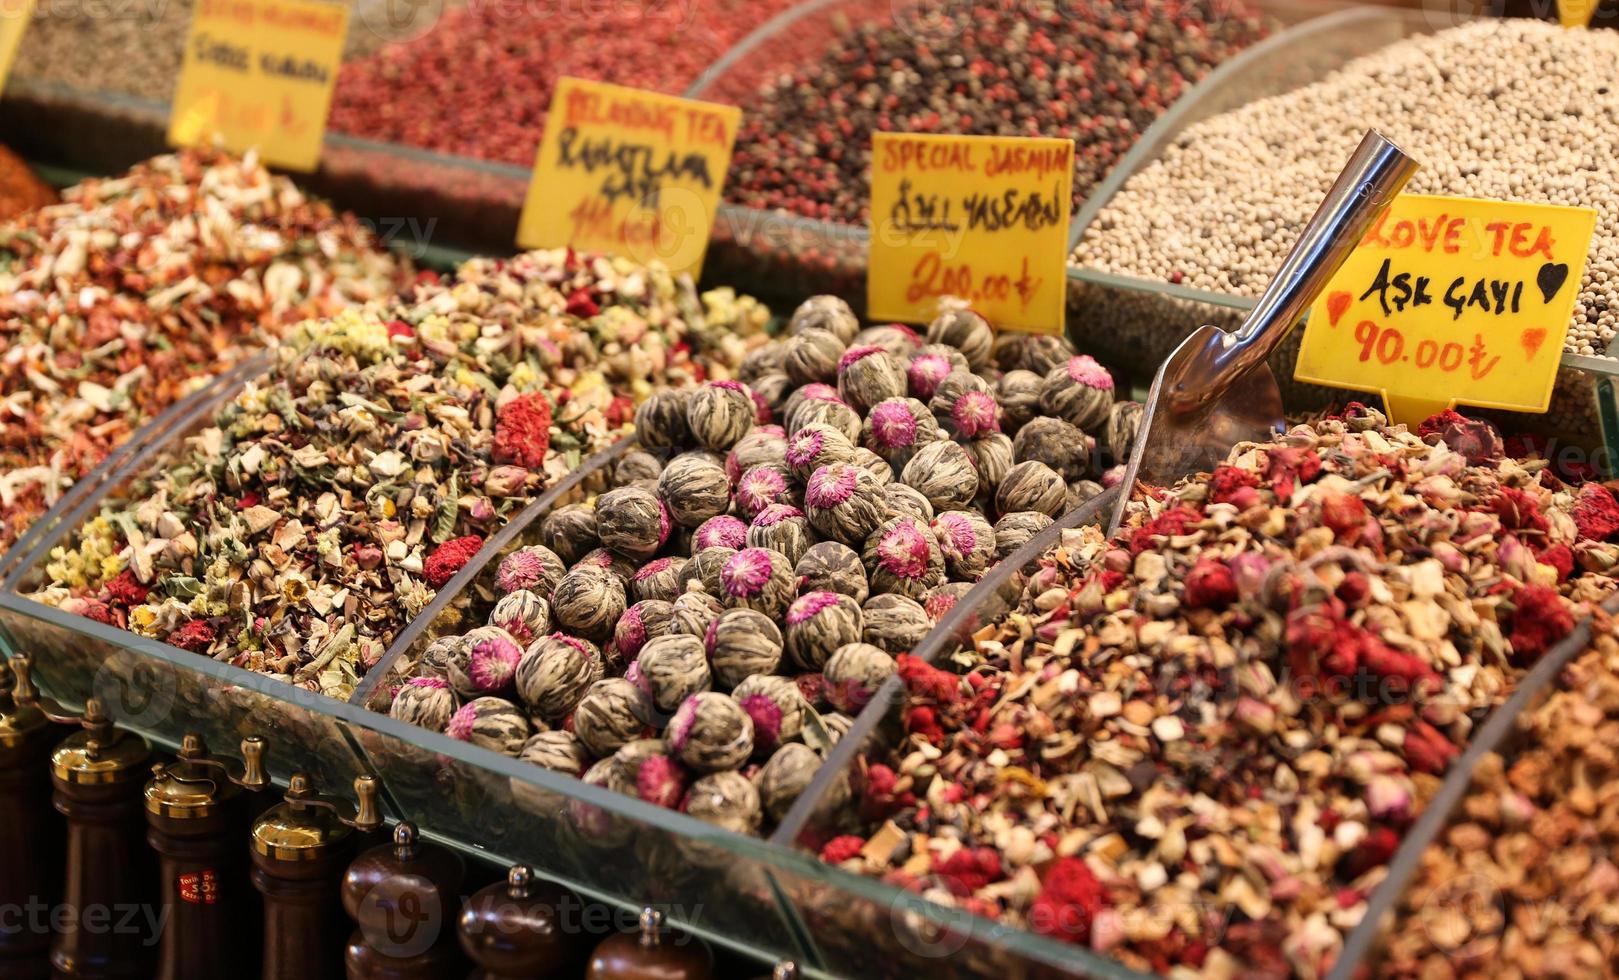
x,y
1499,109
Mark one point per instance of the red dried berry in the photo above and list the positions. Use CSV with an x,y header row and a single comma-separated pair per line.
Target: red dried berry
x,y
1560,557
195,635
1345,514
1210,585
1374,851
1427,750
1070,899
581,304
1519,510
970,869
523,431
449,558
126,590
1167,524
1540,618
1596,515
924,681
1226,482
840,849
1287,467
924,721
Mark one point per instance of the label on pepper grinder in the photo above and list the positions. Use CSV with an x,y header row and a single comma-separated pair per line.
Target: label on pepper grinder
x,y
629,173
983,218
1448,300
14,15
259,74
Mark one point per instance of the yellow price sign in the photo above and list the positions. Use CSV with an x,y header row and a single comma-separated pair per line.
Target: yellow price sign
x,y
629,173
1576,13
1449,300
259,74
14,15
982,218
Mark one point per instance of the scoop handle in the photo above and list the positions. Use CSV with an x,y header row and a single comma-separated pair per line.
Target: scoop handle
x,y
1374,176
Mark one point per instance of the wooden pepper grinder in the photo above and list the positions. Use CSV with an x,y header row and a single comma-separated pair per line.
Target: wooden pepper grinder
x,y
648,957
785,970
30,832
401,896
300,847
513,930
194,816
107,922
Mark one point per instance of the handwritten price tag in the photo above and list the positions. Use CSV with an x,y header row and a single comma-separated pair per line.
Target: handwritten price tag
x,y
984,218
629,173
1576,13
1449,300
259,74
14,16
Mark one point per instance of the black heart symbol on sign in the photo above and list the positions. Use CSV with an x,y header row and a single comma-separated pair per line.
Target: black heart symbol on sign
x,y
1550,278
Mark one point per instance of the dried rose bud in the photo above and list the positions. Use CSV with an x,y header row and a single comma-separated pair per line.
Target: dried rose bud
x,y
657,579
1032,486
672,668
967,542
760,487
825,312
558,751
900,500
723,531
641,622
740,644
817,445
967,332
894,622
944,473
843,502
694,488
632,522
491,723
523,614
758,578
555,673
782,529
505,481
727,800
818,623
854,673
535,568
776,707
812,355
1055,443
830,566
569,532
720,413
588,601
660,421
832,413
711,733
426,702
1014,530
1079,392
903,557
612,713
765,445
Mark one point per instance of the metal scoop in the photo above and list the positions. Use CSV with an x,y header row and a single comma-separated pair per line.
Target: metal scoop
x,y
1216,389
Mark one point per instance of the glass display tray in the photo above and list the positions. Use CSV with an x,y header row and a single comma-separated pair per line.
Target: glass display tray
x,y
1135,323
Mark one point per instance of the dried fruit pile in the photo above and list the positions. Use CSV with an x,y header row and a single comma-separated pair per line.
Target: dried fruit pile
x,y
1522,882
20,189
328,502
1097,72
135,289
704,630
1234,708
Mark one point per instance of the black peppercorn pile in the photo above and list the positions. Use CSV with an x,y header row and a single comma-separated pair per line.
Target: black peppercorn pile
x,y
1097,72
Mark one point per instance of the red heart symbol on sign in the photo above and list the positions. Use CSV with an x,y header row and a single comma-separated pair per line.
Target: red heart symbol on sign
x,y
1336,304
1531,340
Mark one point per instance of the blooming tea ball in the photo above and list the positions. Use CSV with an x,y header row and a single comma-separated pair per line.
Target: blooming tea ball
x,y
492,656
1032,486
588,601
426,702
944,473
660,421
766,445
874,464
436,659
821,411
637,468
1018,393
609,561
558,751
657,579
868,375
570,532
831,566
742,643
944,598
895,338
719,413
758,578
974,415
825,312
992,454
853,675
900,500
694,488
843,502
1037,353
760,487
1079,392
535,568
776,707
727,800
929,367
1014,530
817,445
782,529
613,713
903,557
641,622
894,622
1120,431
644,769
895,427
632,522
967,542
967,332
724,531
671,669
705,566
770,393
813,356
818,623
762,360
491,723
711,733
786,776
814,392
955,386
524,615
1055,443
555,673
1082,492
693,612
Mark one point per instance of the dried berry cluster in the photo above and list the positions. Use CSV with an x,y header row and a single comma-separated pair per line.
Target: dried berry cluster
x,y
1094,71
326,504
1523,880
135,289
744,588
1197,744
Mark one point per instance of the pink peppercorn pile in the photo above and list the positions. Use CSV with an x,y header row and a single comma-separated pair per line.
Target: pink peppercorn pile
x,y
479,83
1097,72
